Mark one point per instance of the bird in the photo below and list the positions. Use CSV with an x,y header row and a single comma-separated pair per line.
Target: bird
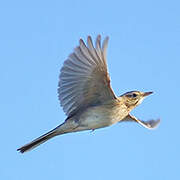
x,y
86,95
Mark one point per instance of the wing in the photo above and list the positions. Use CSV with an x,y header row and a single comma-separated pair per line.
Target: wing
x,y
84,80
151,124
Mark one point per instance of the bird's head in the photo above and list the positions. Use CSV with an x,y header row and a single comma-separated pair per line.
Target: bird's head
x,y
134,98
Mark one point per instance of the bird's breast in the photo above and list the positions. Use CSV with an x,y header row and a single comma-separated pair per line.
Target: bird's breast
x,y
102,116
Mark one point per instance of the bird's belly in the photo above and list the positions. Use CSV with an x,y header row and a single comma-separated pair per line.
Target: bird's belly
x,y
98,117
95,121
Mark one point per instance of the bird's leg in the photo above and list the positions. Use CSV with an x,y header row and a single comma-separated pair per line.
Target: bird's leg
x,y
92,130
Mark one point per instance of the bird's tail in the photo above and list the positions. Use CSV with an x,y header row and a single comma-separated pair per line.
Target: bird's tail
x,y
56,131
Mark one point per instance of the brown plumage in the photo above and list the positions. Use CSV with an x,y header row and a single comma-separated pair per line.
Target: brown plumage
x,y
86,95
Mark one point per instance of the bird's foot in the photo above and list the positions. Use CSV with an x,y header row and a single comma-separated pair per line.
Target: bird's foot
x,y
92,130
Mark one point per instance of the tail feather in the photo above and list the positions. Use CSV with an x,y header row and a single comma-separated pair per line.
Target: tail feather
x,y
66,127
38,141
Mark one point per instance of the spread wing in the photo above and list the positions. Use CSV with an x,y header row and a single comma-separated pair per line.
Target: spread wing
x,y
84,80
151,124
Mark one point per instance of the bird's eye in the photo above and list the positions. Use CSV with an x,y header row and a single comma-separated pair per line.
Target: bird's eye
x,y
131,95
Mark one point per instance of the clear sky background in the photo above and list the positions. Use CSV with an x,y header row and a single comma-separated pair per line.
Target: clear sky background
x,y
143,54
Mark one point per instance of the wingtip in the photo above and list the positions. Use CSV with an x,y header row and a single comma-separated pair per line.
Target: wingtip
x,y
158,121
155,123
81,41
98,39
98,36
88,37
89,40
107,38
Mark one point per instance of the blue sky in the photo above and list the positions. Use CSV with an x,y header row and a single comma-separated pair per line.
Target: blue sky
x,y
143,54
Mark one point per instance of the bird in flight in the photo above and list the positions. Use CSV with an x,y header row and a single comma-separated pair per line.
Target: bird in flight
x,y
86,95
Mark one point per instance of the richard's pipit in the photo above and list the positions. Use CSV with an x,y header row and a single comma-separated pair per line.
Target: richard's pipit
x,y
86,95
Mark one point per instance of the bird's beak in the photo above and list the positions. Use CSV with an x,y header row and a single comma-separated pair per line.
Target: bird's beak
x,y
147,93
